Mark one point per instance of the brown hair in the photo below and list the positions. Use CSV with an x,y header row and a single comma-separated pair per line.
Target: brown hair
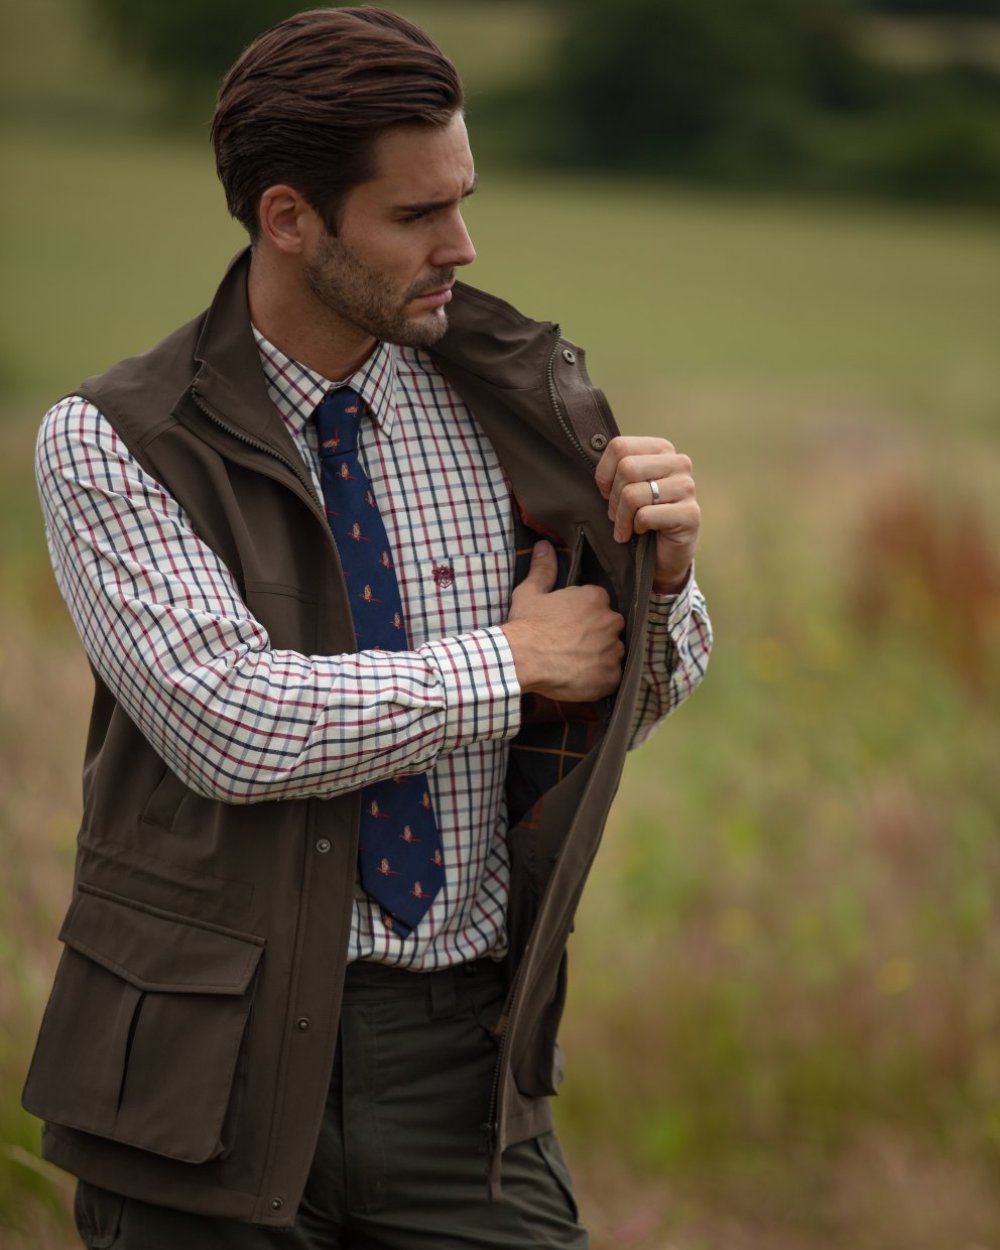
x,y
307,100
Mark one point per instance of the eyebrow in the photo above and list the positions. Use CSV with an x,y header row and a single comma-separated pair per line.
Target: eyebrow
x,y
425,206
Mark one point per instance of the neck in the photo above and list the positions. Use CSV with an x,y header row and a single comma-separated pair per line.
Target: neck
x,y
289,315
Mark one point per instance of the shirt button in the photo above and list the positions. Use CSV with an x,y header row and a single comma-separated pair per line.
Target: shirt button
x,y
323,846
277,1204
599,442
569,356
302,1024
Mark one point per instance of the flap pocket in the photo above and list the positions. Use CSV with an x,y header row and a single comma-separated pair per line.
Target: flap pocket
x,y
143,1030
157,950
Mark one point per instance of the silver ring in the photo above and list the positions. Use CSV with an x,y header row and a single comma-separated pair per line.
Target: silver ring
x,y
654,489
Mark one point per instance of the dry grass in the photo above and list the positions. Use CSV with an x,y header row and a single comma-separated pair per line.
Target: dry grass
x,y
785,1029
45,691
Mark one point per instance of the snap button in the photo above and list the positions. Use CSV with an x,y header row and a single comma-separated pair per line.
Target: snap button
x,y
323,846
302,1024
277,1204
569,356
599,441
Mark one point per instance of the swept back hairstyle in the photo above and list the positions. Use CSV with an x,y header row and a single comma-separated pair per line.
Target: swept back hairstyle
x,y
307,100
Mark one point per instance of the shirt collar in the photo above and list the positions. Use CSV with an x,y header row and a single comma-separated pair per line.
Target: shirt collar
x,y
296,390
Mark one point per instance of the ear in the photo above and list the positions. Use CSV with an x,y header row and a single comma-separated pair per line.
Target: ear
x,y
287,221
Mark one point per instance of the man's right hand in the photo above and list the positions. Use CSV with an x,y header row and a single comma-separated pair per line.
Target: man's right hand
x,y
566,643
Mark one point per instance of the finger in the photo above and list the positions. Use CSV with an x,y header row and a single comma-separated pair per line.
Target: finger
x,y
541,575
649,492
636,470
619,449
679,521
656,507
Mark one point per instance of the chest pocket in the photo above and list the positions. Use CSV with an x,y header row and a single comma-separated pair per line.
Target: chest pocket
x,y
452,594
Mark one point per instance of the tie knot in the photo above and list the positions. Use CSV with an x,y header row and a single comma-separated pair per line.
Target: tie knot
x,y
337,421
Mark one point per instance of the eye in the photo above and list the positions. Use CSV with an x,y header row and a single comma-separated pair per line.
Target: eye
x,y
418,214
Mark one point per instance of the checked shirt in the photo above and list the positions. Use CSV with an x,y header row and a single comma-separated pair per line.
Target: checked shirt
x,y
163,623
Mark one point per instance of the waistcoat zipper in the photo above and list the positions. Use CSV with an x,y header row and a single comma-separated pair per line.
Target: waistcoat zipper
x,y
491,1126
557,408
256,444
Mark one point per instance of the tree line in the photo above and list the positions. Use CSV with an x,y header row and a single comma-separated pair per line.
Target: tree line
x,y
778,93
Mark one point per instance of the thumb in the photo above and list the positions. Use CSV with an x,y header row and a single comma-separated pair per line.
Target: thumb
x,y
542,574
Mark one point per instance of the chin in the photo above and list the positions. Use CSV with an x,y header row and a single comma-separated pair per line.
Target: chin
x,y
423,331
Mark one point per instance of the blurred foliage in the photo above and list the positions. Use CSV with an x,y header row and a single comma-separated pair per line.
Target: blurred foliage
x,y
189,44
938,8
662,83
778,93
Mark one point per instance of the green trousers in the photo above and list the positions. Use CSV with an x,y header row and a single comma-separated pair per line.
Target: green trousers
x,y
400,1163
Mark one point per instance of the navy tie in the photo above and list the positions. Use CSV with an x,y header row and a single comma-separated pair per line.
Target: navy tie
x,y
399,857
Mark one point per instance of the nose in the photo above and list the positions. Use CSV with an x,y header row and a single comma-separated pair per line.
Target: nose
x,y
455,247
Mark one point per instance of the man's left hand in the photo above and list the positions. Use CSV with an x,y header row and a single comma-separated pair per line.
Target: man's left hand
x,y
624,476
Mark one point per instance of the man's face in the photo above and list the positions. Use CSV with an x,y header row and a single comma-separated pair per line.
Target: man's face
x,y
389,269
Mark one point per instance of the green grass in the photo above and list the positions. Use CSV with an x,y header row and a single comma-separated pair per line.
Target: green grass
x,y
117,243
683,288
784,1010
709,289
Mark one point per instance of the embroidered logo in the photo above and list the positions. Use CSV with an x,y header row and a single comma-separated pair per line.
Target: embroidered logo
x,y
444,576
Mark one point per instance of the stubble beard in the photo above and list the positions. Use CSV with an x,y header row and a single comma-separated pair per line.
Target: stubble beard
x,y
362,295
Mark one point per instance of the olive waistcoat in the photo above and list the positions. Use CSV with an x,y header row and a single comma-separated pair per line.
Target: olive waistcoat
x,y
187,1046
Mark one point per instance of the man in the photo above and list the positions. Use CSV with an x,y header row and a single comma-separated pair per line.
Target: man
x,y
375,601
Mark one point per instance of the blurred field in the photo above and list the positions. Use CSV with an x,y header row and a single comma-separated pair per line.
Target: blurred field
x,y
784,1025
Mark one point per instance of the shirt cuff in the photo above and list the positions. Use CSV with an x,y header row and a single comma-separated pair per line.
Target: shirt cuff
x,y
668,613
482,696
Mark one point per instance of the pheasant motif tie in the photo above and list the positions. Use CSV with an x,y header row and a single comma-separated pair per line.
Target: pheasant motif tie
x,y
399,857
